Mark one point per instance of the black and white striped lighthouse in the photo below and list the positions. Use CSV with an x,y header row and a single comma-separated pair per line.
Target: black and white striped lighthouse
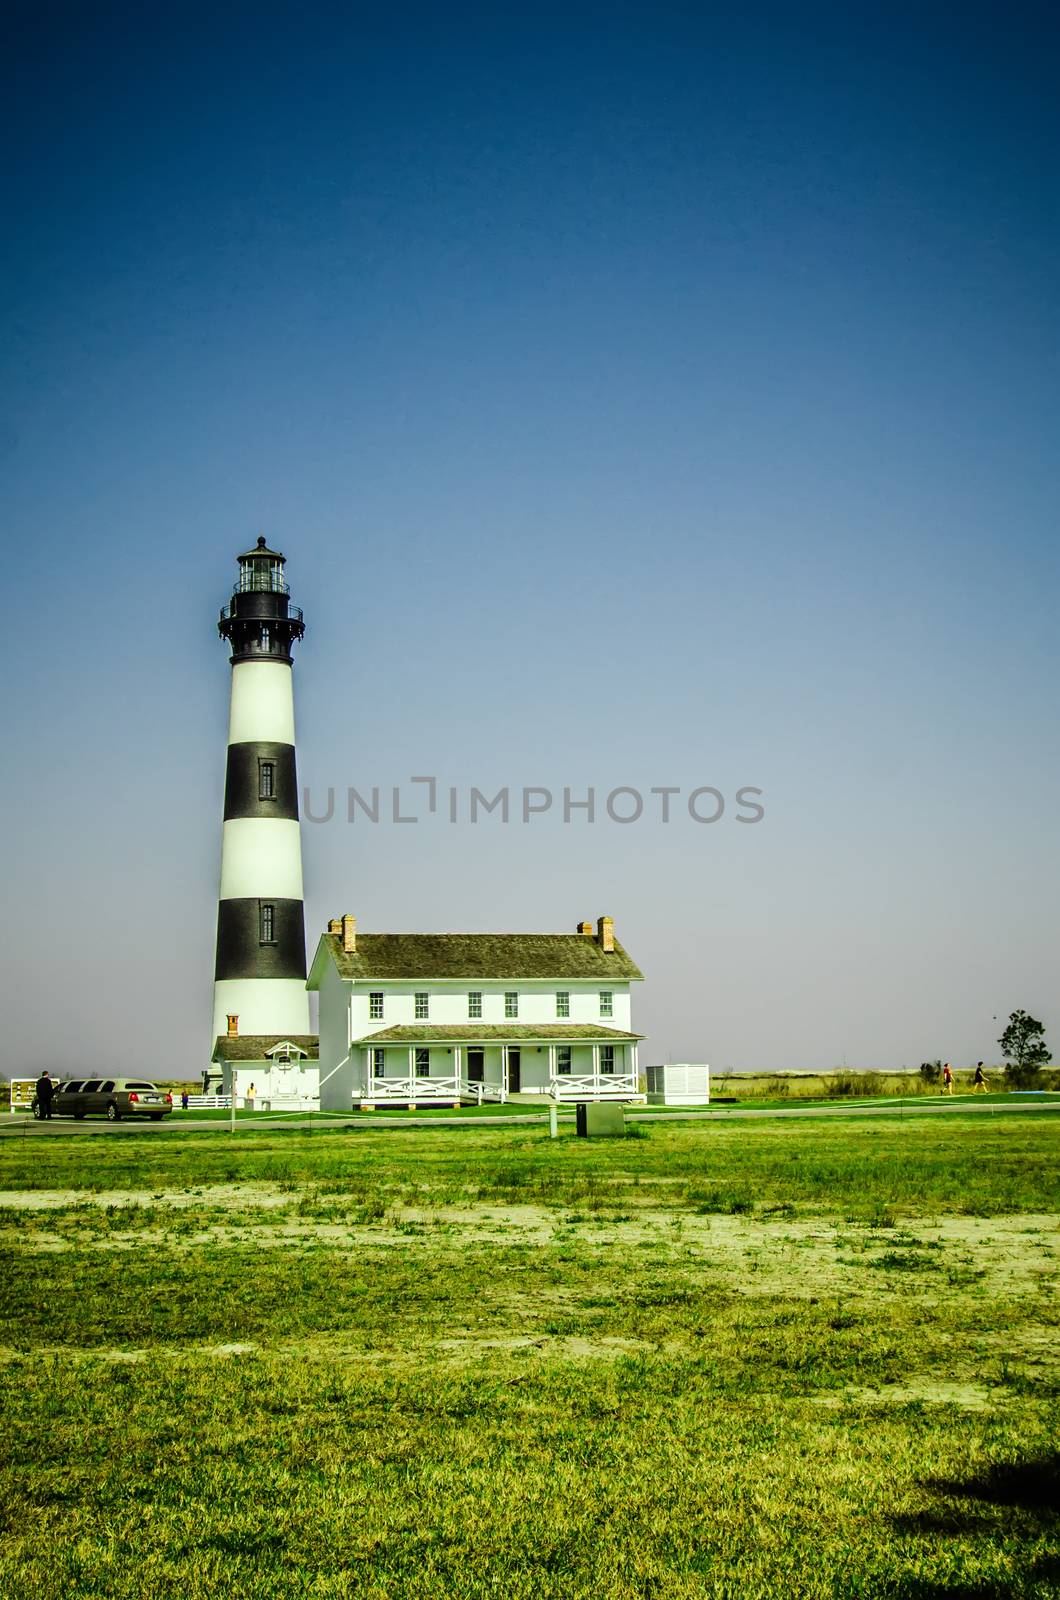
x,y
260,972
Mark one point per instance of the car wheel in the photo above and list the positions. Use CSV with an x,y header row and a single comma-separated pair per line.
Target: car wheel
x,y
113,1114
78,1116
36,1112
156,1116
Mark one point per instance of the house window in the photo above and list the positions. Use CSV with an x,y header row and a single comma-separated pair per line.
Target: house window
x,y
607,1058
563,1003
511,1003
422,1003
266,922
378,1063
375,1006
423,1063
607,1003
563,1058
474,1003
266,780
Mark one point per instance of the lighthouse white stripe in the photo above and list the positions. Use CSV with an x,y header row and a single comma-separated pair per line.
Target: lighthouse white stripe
x,y
262,703
263,1005
261,857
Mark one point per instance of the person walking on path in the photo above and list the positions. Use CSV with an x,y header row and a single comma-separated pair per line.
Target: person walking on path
x,y
979,1082
947,1079
44,1090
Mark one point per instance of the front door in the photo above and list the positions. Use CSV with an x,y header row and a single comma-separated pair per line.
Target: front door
x,y
476,1066
514,1071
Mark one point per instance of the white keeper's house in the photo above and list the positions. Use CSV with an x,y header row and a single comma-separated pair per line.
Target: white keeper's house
x,y
428,1017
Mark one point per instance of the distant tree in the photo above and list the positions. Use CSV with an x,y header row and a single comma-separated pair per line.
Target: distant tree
x,y
1025,1050
930,1072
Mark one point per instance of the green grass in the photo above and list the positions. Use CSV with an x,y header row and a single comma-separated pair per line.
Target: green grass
x,y
736,1360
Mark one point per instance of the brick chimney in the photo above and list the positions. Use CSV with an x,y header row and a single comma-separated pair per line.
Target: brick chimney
x,y
233,1026
335,925
349,935
586,928
605,934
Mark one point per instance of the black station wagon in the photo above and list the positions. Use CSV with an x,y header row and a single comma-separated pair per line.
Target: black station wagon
x,y
112,1098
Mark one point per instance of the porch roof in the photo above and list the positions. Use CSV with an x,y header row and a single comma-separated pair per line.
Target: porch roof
x,y
499,1033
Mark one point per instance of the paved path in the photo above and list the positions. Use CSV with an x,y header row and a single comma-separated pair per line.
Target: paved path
x,y
20,1126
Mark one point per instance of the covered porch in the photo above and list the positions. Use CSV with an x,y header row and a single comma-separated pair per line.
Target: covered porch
x,y
494,1064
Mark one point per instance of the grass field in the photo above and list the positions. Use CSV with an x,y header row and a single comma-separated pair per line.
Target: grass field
x,y
731,1359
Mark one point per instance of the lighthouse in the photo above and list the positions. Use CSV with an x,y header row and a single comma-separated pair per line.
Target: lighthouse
x,y
260,970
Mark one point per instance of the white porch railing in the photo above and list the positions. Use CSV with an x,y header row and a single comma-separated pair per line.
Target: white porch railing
x,y
583,1086
423,1088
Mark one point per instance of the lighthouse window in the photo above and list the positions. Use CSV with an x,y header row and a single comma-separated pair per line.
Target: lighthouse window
x,y
266,780
265,639
266,923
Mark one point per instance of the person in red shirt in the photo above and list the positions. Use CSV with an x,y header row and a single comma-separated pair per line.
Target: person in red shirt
x,y
947,1079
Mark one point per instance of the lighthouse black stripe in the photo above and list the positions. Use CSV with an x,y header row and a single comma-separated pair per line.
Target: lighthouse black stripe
x,y
255,769
240,951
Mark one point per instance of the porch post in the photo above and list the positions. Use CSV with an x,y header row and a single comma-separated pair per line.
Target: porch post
x,y
456,1064
412,1066
551,1068
596,1066
504,1073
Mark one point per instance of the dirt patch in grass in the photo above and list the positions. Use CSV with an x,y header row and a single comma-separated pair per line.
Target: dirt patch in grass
x,y
924,1391
220,1196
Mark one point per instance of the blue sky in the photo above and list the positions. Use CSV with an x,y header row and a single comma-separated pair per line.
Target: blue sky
x,y
642,395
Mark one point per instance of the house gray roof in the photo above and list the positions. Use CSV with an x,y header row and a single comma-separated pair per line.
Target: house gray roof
x,y
253,1046
499,1033
478,955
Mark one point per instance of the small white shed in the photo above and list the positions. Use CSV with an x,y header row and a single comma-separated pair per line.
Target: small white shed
x,y
679,1083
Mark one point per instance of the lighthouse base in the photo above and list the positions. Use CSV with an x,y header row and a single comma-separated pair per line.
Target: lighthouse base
x,y
263,1005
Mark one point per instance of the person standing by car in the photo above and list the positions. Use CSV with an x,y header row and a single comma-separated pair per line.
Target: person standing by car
x,y
44,1090
947,1079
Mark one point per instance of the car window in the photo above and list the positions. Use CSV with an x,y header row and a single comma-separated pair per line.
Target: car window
x,y
90,1086
132,1085
72,1087
105,1088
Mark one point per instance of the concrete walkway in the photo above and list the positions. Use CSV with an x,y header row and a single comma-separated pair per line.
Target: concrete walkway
x,y
21,1126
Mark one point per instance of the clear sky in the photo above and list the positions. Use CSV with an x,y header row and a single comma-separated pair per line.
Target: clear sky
x,y
643,395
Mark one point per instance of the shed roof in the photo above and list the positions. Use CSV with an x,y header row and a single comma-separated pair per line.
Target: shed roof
x,y
255,1046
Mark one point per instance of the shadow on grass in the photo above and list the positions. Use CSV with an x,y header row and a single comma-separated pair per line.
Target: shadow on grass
x,y
1014,1498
